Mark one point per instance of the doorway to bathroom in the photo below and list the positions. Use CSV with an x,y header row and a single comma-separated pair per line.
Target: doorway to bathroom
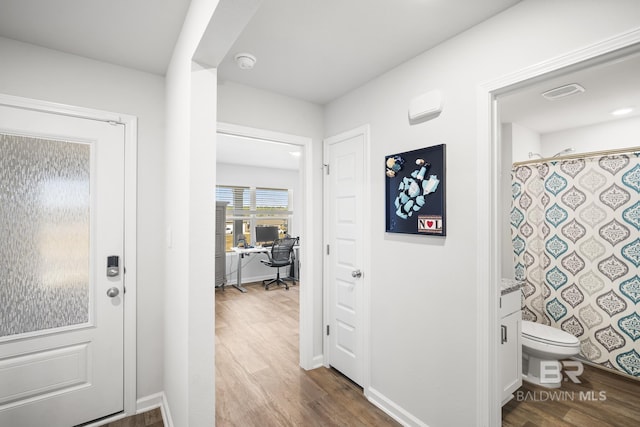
x,y
528,127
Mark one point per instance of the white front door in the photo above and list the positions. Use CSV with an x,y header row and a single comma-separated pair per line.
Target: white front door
x,y
61,307
344,281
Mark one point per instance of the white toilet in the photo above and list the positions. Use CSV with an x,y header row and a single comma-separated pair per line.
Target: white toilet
x,y
542,344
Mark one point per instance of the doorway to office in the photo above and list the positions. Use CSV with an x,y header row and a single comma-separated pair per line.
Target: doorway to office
x,y
285,144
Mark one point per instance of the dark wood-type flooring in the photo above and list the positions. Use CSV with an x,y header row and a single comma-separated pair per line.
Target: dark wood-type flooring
x,y
259,382
607,400
151,418
258,379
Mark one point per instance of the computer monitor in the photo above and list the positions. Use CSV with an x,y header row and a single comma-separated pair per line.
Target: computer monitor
x,y
266,234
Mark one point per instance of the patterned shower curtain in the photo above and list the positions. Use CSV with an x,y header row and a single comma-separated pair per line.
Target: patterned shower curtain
x,y
576,238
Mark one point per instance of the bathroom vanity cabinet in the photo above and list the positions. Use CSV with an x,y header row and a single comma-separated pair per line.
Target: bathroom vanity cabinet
x,y
511,345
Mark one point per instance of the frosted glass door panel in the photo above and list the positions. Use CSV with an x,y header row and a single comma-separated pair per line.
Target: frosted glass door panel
x,y
45,234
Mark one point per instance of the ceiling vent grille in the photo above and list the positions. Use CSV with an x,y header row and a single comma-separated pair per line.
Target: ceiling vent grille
x,y
563,91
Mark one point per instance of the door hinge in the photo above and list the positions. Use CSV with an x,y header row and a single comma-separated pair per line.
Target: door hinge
x,y
326,165
328,250
327,329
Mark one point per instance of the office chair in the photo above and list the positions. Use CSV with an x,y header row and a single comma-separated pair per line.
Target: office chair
x,y
280,256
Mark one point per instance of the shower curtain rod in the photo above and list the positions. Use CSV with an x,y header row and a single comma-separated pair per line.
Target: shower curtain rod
x,y
579,156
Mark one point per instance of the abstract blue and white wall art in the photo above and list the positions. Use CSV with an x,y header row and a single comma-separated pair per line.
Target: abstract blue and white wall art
x,y
415,191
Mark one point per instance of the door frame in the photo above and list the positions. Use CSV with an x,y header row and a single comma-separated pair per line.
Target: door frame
x,y
130,211
488,390
365,315
307,270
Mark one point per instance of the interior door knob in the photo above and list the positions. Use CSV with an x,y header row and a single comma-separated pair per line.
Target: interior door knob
x,y
113,292
356,273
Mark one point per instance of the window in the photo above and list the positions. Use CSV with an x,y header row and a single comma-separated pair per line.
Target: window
x,y
250,207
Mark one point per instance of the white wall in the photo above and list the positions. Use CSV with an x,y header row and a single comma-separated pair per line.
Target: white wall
x,y
190,226
622,133
39,73
246,106
423,289
251,176
524,141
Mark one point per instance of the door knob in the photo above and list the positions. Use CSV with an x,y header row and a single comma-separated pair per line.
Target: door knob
x,y
356,274
113,292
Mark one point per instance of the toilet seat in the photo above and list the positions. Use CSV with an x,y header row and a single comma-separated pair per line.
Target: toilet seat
x,y
544,334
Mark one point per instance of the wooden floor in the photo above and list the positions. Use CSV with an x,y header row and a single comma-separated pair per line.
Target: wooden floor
x,y
151,418
259,382
603,399
258,379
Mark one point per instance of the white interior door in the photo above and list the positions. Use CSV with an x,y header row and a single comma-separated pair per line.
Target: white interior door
x,y
61,312
344,205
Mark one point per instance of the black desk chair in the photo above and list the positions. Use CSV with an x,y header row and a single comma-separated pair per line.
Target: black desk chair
x,y
280,256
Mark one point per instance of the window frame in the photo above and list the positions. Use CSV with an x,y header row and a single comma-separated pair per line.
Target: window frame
x,y
253,215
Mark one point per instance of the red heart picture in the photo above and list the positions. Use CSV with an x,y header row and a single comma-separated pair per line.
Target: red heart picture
x,y
429,224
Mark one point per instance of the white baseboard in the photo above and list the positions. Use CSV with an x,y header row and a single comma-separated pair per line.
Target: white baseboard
x,y
153,401
255,279
393,410
317,361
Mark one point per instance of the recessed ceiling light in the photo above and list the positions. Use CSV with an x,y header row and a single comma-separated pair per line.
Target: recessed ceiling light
x,y
621,111
295,153
245,61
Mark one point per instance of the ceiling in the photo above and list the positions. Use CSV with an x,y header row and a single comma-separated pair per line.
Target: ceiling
x,y
608,86
319,50
236,150
310,50
138,34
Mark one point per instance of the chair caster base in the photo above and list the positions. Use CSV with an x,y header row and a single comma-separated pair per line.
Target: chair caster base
x,y
267,283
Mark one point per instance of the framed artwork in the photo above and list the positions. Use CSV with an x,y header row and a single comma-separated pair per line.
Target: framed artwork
x,y
415,192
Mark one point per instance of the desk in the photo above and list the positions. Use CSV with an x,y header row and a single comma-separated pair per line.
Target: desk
x,y
248,251
241,253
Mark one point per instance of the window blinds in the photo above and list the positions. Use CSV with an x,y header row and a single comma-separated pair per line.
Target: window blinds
x,y
248,201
